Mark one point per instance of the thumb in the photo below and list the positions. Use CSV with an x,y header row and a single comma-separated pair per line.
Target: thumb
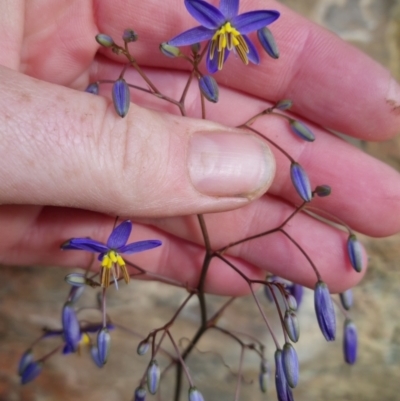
x,y
67,148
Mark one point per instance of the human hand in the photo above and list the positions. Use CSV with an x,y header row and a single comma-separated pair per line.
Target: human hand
x,y
68,149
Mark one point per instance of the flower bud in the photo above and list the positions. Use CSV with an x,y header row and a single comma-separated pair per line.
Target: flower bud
x,y
350,342
263,377
93,88
170,51
282,388
354,249
129,35
26,359
71,327
94,353
153,377
346,299
143,347
121,97
103,344
301,130
75,293
268,42
292,327
140,394
195,395
290,365
325,311
31,372
104,40
76,279
291,302
284,104
300,181
209,88
268,293
322,190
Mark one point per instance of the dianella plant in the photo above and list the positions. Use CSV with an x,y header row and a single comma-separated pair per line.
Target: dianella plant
x,y
220,32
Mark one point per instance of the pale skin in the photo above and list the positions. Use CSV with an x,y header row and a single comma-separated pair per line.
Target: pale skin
x,y
68,164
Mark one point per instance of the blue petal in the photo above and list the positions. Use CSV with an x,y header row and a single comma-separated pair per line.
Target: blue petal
x,y
253,20
84,244
119,235
253,53
208,15
229,8
191,36
140,246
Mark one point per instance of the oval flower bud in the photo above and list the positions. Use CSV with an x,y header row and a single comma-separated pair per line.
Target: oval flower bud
x,y
71,327
282,388
325,311
31,372
170,51
121,96
292,327
284,104
350,342
354,249
195,48
290,365
346,299
323,190
209,88
103,344
94,353
153,377
76,279
291,302
195,395
75,293
93,88
140,394
104,40
300,181
301,130
129,35
143,347
268,42
26,359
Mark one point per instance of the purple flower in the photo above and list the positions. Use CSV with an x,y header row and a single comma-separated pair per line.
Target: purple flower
x,y
110,253
325,311
31,372
71,327
225,30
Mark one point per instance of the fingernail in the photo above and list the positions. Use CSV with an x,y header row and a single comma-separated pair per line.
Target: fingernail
x,y
393,96
229,164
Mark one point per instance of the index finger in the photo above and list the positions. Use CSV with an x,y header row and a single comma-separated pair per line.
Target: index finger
x,y
330,82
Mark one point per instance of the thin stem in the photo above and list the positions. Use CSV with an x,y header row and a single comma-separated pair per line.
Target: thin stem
x,y
239,379
183,364
303,252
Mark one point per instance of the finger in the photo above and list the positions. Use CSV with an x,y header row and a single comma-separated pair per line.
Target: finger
x,y
66,148
330,82
40,233
372,189
181,260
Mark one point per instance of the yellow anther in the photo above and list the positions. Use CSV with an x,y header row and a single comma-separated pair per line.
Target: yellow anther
x,y
235,41
106,262
113,256
120,260
85,340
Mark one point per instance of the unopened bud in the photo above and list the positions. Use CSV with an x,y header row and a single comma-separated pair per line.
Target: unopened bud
x,y
346,299
143,347
354,249
301,130
93,88
300,181
350,342
170,51
322,190
129,35
140,394
31,372
195,395
325,311
290,365
103,344
153,377
121,97
268,42
284,104
26,359
104,40
292,327
209,88
71,327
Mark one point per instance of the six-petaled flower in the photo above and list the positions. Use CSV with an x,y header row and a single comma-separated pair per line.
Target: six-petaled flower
x,y
112,262
225,29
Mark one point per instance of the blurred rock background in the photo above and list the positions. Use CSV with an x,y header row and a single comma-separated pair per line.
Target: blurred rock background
x,y
31,298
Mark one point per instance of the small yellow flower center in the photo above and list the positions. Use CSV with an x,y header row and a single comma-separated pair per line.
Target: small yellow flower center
x,y
227,37
112,264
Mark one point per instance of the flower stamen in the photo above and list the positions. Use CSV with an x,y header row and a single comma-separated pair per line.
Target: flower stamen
x,y
113,264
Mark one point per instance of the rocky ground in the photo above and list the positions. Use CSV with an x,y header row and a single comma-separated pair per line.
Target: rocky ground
x,y
30,298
